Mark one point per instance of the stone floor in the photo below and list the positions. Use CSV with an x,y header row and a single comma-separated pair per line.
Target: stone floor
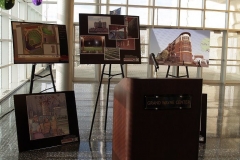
x,y
223,125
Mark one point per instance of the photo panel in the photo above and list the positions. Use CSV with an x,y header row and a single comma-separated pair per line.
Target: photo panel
x,y
180,47
92,44
112,54
126,44
47,115
46,119
39,43
101,33
133,26
98,24
117,32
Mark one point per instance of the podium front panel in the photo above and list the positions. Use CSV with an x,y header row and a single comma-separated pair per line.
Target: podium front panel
x,y
168,132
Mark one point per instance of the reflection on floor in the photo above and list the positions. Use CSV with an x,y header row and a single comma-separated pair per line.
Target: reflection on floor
x,y
223,125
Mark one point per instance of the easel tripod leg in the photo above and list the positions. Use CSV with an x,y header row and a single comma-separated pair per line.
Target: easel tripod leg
x,y
99,88
121,65
50,68
109,78
32,78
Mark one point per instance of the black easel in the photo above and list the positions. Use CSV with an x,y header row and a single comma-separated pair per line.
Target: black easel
x,y
177,76
33,75
110,76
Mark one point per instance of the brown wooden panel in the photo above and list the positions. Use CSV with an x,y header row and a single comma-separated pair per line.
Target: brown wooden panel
x,y
155,134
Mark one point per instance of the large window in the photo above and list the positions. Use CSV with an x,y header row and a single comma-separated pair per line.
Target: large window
x,y
220,17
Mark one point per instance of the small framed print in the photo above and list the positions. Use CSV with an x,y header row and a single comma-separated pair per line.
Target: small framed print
x,y
46,119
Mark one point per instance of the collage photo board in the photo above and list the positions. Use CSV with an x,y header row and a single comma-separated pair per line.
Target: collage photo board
x,y
109,39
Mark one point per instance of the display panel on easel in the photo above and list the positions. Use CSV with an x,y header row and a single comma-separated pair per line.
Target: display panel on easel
x,y
109,39
45,119
39,43
180,47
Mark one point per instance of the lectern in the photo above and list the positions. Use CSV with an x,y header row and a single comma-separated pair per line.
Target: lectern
x,y
156,119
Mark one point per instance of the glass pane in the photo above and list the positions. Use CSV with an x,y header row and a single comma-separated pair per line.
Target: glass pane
x,y
233,73
161,14
83,9
232,62
233,54
190,18
77,51
216,4
144,36
233,40
137,70
118,1
215,38
49,14
86,1
234,20
144,50
215,53
211,73
234,5
104,10
84,71
115,69
76,33
1,53
168,3
138,2
141,12
215,19
191,4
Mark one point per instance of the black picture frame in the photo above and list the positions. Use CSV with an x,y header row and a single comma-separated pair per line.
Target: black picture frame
x,y
25,142
99,32
39,43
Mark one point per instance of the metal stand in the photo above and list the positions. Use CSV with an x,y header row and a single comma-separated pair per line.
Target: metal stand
x,y
177,76
33,75
110,76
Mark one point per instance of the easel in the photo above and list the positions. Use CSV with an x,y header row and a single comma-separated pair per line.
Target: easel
x,y
155,63
177,76
110,76
33,75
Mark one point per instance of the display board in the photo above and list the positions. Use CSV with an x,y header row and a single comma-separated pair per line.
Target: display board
x,y
180,47
45,119
39,43
109,39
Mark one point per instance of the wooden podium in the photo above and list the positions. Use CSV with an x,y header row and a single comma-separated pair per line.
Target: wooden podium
x,y
156,119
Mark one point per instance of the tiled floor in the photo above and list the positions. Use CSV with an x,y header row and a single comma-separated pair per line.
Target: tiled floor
x,y
223,125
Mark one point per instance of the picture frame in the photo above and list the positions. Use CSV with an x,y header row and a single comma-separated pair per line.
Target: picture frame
x,y
99,32
46,119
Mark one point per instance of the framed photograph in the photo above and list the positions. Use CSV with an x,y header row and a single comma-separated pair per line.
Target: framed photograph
x,y
39,43
180,47
45,119
100,33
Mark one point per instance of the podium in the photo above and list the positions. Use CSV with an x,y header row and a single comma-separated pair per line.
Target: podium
x,y
156,119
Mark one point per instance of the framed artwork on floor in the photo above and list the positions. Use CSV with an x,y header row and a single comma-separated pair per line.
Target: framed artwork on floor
x,y
45,119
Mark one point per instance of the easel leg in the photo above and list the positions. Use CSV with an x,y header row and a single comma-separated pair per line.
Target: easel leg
x,y
99,88
187,71
167,71
177,72
121,65
32,78
50,68
109,78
